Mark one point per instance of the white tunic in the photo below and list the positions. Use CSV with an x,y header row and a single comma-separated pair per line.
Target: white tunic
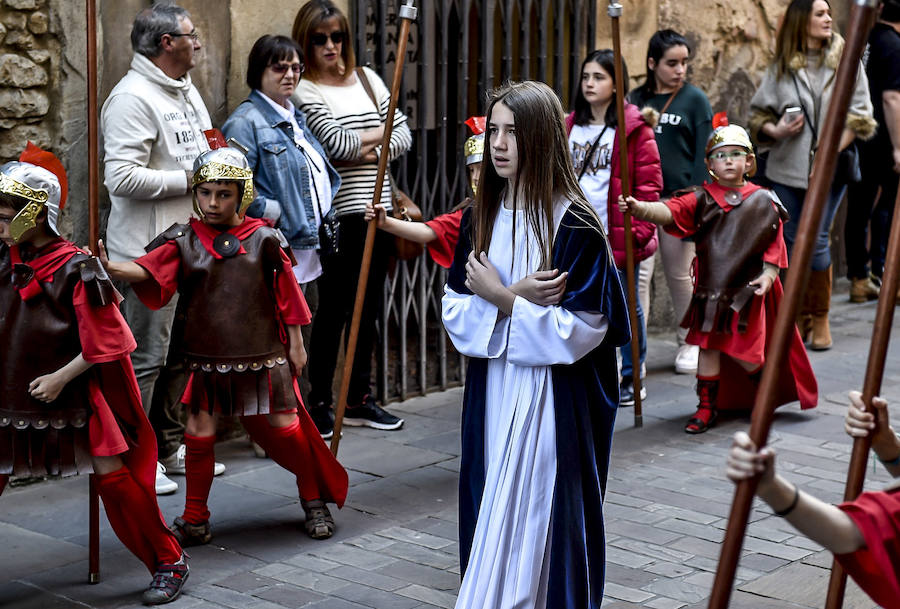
x,y
509,563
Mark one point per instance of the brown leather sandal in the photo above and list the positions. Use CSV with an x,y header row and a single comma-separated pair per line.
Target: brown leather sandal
x,y
319,522
189,534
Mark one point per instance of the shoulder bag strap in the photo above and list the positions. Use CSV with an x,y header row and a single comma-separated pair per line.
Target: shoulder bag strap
x,y
590,152
812,126
669,101
360,73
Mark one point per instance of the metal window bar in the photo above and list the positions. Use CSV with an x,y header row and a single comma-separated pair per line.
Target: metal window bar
x,y
460,49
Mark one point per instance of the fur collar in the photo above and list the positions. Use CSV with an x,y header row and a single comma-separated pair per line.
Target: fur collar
x,y
832,55
650,115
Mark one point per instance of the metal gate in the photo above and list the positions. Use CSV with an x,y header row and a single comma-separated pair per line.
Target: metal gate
x,y
458,50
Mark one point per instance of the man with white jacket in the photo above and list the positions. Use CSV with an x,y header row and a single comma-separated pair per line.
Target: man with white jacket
x,y
153,123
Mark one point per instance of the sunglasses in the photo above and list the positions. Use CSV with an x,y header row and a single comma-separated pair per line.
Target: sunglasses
x,y
733,154
318,39
281,68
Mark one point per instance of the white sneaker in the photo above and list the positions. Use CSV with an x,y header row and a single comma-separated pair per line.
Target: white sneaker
x,y
686,359
175,463
164,486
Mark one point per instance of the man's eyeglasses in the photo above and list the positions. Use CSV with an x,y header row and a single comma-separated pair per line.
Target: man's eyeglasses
x,y
319,39
193,34
281,68
732,154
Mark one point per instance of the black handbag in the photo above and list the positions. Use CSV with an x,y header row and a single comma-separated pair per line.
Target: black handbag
x,y
329,234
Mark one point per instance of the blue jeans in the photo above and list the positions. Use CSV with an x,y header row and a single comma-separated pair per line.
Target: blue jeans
x,y
625,350
793,202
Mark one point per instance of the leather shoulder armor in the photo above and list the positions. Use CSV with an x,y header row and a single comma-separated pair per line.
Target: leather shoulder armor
x,y
97,283
170,234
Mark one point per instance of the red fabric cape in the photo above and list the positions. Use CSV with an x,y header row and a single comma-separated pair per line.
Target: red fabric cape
x,y
876,567
798,382
51,258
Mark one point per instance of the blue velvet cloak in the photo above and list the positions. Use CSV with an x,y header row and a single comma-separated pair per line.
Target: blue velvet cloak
x,y
585,397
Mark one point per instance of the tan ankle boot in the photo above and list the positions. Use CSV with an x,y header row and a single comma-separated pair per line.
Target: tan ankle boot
x,y
863,290
819,290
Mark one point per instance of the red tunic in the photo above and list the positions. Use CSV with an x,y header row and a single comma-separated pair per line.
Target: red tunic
x,y
446,227
736,390
876,567
117,424
217,290
241,372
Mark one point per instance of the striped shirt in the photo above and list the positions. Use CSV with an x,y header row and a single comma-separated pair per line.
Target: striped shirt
x,y
336,115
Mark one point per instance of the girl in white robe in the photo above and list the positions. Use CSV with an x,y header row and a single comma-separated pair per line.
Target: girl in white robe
x,y
541,390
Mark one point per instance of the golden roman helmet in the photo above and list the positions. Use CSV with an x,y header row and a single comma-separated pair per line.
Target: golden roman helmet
x,y
38,187
474,146
732,135
224,165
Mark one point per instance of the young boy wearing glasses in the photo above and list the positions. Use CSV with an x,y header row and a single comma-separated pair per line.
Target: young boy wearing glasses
x,y
737,228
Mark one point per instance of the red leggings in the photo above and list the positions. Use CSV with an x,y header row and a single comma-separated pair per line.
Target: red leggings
x,y
285,445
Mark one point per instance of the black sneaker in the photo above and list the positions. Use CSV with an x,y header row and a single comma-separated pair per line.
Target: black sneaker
x,y
167,583
626,392
370,414
322,416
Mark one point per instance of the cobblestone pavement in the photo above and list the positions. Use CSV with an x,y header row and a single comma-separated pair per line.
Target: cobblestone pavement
x,y
396,548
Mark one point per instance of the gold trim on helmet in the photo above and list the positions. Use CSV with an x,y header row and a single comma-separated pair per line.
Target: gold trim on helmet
x,y
218,172
474,149
26,219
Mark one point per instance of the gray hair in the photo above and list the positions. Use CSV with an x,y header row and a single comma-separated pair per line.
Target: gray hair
x,y
150,25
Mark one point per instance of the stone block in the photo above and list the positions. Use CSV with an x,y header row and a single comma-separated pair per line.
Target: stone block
x,y
16,21
25,5
13,141
2,32
38,55
20,72
20,39
38,23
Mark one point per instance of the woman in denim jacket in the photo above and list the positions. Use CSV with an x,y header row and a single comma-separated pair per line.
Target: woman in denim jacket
x,y
293,179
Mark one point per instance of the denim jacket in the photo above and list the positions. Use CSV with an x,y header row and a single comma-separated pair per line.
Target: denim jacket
x,y
280,173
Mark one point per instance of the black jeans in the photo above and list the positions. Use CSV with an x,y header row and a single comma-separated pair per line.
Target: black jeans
x,y
337,292
867,208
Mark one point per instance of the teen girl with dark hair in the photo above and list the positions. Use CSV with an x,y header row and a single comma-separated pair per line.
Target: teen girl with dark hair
x,y
685,122
594,145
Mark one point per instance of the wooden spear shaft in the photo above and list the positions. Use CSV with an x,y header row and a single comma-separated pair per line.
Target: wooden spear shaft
x,y
881,330
92,118
407,16
776,357
615,11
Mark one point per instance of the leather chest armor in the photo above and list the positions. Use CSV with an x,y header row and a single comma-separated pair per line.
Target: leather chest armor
x,y
227,315
40,336
730,247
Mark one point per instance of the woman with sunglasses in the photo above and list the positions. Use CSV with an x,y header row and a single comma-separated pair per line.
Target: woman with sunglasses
x,y
787,113
294,181
339,101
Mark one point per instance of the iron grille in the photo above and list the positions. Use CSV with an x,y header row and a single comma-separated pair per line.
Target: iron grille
x,y
458,50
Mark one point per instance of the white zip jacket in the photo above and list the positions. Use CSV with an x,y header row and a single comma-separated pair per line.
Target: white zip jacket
x,y
152,130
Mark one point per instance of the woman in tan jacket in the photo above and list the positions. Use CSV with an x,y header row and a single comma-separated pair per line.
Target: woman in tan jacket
x,y
787,114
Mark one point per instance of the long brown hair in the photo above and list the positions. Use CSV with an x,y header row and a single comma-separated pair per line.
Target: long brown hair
x,y
544,173
310,16
792,35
